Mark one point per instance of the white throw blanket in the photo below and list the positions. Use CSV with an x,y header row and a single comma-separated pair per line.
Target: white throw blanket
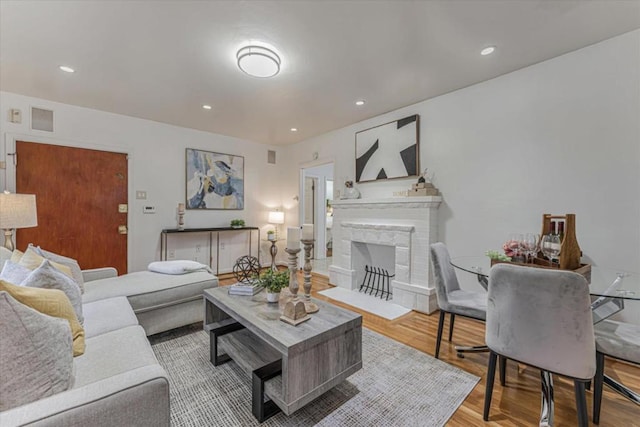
x,y
177,267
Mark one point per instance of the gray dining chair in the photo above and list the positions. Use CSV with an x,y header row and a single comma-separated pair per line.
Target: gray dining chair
x,y
541,317
620,341
454,300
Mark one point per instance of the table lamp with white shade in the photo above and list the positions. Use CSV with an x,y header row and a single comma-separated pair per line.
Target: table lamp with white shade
x,y
16,211
277,218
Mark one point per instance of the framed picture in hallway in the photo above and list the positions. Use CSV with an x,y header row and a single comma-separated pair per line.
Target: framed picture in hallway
x,y
389,150
214,180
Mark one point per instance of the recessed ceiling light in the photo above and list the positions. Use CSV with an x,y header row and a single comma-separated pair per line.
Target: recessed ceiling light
x,y
258,61
206,107
360,102
67,69
487,50
294,129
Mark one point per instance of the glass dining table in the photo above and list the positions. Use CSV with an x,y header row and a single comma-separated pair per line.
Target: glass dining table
x,y
609,289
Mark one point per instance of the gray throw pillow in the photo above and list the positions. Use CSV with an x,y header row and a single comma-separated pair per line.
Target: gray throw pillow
x,y
14,273
48,277
76,271
37,354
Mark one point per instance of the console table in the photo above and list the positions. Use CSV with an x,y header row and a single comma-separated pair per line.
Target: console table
x,y
216,230
292,365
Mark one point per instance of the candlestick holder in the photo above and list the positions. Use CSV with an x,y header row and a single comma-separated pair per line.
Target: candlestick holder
x,y
180,216
310,306
294,311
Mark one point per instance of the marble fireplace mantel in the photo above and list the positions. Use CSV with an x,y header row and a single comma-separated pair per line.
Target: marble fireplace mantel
x,y
408,224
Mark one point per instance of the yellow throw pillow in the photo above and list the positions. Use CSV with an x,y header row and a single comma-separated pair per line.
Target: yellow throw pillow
x,y
16,256
51,302
32,260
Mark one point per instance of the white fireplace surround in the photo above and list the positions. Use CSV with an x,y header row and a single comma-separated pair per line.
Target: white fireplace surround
x,y
409,225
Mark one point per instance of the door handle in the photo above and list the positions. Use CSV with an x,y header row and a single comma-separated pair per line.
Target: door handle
x,y
122,229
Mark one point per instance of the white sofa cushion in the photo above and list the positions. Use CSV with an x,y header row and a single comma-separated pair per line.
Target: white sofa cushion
x,y
133,352
147,290
107,315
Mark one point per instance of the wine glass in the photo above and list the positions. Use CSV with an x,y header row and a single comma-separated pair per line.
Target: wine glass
x,y
515,244
550,246
530,245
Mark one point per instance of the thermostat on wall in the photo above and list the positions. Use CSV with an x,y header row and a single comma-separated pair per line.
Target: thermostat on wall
x,y
149,209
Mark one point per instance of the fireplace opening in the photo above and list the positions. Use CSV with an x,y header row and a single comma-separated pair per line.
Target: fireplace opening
x,y
374,264
376,280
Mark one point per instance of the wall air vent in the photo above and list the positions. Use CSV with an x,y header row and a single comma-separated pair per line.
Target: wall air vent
x,y
41,119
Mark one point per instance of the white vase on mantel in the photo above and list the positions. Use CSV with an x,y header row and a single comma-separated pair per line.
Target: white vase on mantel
x,y
351,193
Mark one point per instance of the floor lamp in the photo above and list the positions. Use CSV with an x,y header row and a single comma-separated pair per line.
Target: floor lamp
x,y
16,211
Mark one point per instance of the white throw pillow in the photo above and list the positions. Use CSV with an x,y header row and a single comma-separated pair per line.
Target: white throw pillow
x,y
14,273
76,271
48,277
37,356
177,267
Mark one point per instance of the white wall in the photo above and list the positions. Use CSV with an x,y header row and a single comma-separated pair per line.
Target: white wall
x,y
562,136
157,166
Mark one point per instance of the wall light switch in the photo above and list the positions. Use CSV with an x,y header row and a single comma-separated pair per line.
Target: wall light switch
x,y
15,115
149,209
141,195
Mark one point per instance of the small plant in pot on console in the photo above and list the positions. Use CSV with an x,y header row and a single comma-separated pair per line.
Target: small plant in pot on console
x,y
271,235
237,223
273,282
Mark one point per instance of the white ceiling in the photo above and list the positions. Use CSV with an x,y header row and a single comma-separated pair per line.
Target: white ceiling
x,y
163,60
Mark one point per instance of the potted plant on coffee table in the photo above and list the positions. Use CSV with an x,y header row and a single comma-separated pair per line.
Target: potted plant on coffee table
x,y
273,282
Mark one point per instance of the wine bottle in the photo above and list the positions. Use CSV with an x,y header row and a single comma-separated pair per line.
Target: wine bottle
x,y
561,230
570,252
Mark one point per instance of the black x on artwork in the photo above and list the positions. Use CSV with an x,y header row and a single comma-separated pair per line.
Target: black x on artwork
x,y
388,151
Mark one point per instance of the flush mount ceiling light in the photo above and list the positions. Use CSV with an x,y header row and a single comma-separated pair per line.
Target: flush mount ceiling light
x,y
487,50
67,69
294,129
258,61
360,102
206,107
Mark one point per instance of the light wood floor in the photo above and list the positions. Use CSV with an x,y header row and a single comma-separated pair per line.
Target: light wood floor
x,y
517,404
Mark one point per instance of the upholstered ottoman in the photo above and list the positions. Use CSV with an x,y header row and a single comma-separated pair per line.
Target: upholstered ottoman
x,y
160,301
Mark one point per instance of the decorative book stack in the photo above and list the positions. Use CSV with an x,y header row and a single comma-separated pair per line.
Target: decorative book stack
x,y
244,289
423,189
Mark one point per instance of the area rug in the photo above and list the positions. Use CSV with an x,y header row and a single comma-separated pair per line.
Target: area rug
x,y
397,386
369,303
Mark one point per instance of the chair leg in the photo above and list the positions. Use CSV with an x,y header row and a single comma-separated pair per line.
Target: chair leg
x,y
503,370
452,317
581,403
439,337
597,387
547,405
491,373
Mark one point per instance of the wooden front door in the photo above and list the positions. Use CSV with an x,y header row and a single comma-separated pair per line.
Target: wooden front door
x,y
78,193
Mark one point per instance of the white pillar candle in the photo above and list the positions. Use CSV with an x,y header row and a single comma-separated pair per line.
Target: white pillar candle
x,y
181,207
307,232
293,238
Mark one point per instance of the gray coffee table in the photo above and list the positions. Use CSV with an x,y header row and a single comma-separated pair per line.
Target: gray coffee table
x,y
292,365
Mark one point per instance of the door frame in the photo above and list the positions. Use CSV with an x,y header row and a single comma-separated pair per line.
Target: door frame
x,y
320,221
9,146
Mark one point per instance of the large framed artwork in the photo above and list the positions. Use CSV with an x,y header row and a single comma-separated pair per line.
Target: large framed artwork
x,y
388,151
214,180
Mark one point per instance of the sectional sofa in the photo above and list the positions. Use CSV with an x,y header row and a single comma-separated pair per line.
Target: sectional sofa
x,y
118,380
